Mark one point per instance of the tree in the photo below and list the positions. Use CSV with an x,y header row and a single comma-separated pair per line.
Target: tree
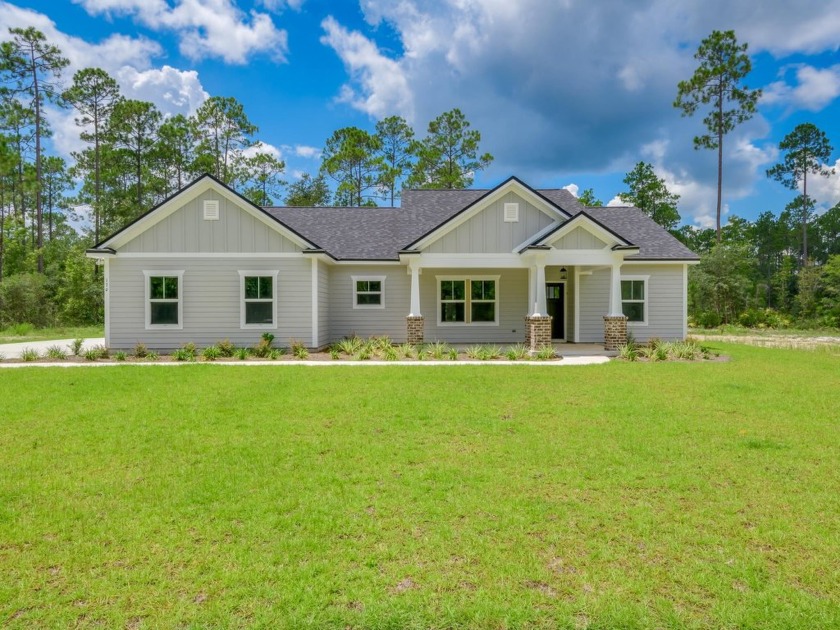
x,y
263,178
719,283
827,227
588,198
56,181
351,157
650,194
93,94
807,148
308,191
223,131
718,82
176,151
133,130
34,66
397,150
448,156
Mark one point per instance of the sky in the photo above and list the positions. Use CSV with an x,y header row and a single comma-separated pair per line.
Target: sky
x,y
565,93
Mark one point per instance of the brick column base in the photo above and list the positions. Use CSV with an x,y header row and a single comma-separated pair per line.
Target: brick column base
x,y
414,329
537,331
615,331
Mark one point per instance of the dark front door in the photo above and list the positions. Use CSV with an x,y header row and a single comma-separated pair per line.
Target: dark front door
x,y
555,301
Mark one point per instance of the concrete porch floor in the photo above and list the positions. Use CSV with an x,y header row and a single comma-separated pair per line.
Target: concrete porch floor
x,y
563,349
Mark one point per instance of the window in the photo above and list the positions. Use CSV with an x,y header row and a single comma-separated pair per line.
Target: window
x,y
368,291
468,301
634,299
258,299
511,212
163,299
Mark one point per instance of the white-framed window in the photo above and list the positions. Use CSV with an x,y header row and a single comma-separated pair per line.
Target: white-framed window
x,y
368,291
470,300
258,299
634,299
511,212
164,302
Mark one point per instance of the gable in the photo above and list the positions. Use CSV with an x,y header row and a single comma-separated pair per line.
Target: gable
x,y
579,238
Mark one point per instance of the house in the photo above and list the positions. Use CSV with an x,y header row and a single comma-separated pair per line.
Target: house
x,y
504,265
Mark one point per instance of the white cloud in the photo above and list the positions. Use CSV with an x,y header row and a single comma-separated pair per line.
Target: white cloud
x,y
278,6
301,150
616,201
173,91
263,147
379,86
206,28
825,191
572,188
815,88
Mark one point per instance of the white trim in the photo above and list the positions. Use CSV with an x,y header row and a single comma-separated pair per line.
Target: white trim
x,y
632,261
510,212
482,204
211,210
467,300
577,303
381,280
211,255
107,282
195,190
163,273
539,235
585,222
259,274
646,301
685,300
315,343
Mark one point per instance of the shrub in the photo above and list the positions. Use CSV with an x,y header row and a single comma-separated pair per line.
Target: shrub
x,y
267,337
226,348
211,353
518,352
363,354
24,297
152,356
545,353
119,355
185,353
76,346
380,344
453,354
275,353
350,345
390,353
92,354
406,351
103,351
475,352
241,353
299,349
335,354
190,348
140,350
21,330
263,346
29,354
709,319
628,352
437,350
688,350
56,352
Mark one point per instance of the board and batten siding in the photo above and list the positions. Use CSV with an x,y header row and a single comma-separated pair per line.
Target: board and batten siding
x,y
211,292
369,322
666,295
512,295
186,230
579,238
487,232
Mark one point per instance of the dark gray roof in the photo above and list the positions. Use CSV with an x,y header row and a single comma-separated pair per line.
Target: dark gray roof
x,y
381,233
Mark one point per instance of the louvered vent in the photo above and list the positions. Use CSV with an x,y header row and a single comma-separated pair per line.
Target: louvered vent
x,y
511,212
211,210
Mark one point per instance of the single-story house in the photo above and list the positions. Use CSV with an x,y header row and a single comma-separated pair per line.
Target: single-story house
x,y
505,265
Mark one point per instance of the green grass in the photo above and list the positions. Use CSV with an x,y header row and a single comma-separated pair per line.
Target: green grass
x,y
626,495
25,332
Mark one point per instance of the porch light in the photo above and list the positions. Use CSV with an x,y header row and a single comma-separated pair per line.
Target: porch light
x,y
562,273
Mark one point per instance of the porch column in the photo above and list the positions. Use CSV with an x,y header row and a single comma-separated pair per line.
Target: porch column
x,y
540,307
538,323
615,323
414,323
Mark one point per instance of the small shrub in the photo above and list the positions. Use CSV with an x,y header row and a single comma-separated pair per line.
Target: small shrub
x,y
519,352
350,345
211,353
21,330
545,353
241,353
363,354
628,352
263,346
492,352
654,342
709,319
92,354
475,352
152,356
226,348
390,353
267,337
103,351
437,350
184,353
453,354
688,350
406,351
56,353
29,354
335,354
299,349
76,346
119,355
274,354
140,350
380,344
190,348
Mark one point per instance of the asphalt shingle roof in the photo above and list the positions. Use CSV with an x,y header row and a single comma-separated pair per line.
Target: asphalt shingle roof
x,y
381,233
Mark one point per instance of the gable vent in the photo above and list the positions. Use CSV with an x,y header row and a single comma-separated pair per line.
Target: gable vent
x,y
511,212
211,210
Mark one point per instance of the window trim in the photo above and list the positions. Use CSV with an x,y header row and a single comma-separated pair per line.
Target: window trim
x,y
645,302
510,212
262,273
148,274
468,300
380,279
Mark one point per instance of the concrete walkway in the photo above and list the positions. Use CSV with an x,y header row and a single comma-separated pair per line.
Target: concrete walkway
x,y
14,350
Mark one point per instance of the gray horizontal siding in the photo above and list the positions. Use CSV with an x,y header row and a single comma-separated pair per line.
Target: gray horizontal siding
x,y
185,230
665,301
211,295
487,231
346,321
594,295
512,304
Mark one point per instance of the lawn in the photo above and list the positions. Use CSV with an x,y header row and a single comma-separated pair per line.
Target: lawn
x,y
26,332
616,496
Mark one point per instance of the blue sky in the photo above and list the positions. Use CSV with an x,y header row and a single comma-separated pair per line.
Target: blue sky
x,y
568,93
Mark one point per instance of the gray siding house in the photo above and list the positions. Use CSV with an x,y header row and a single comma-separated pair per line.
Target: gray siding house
x,y
504,265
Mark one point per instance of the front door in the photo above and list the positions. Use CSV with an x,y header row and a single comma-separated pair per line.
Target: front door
x,y
555,301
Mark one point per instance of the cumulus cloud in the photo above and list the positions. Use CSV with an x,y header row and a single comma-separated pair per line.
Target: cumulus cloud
x,y
173,91
814,88
304,151
206,28
264,148
572,188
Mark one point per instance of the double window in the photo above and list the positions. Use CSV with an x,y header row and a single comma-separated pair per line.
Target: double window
x,y
368,291
634,299
164,303
472,300
258,299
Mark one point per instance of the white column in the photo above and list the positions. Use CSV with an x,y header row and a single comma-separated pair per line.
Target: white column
x,y
615,290
107,281
414,311
540,288
532,293
314,302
